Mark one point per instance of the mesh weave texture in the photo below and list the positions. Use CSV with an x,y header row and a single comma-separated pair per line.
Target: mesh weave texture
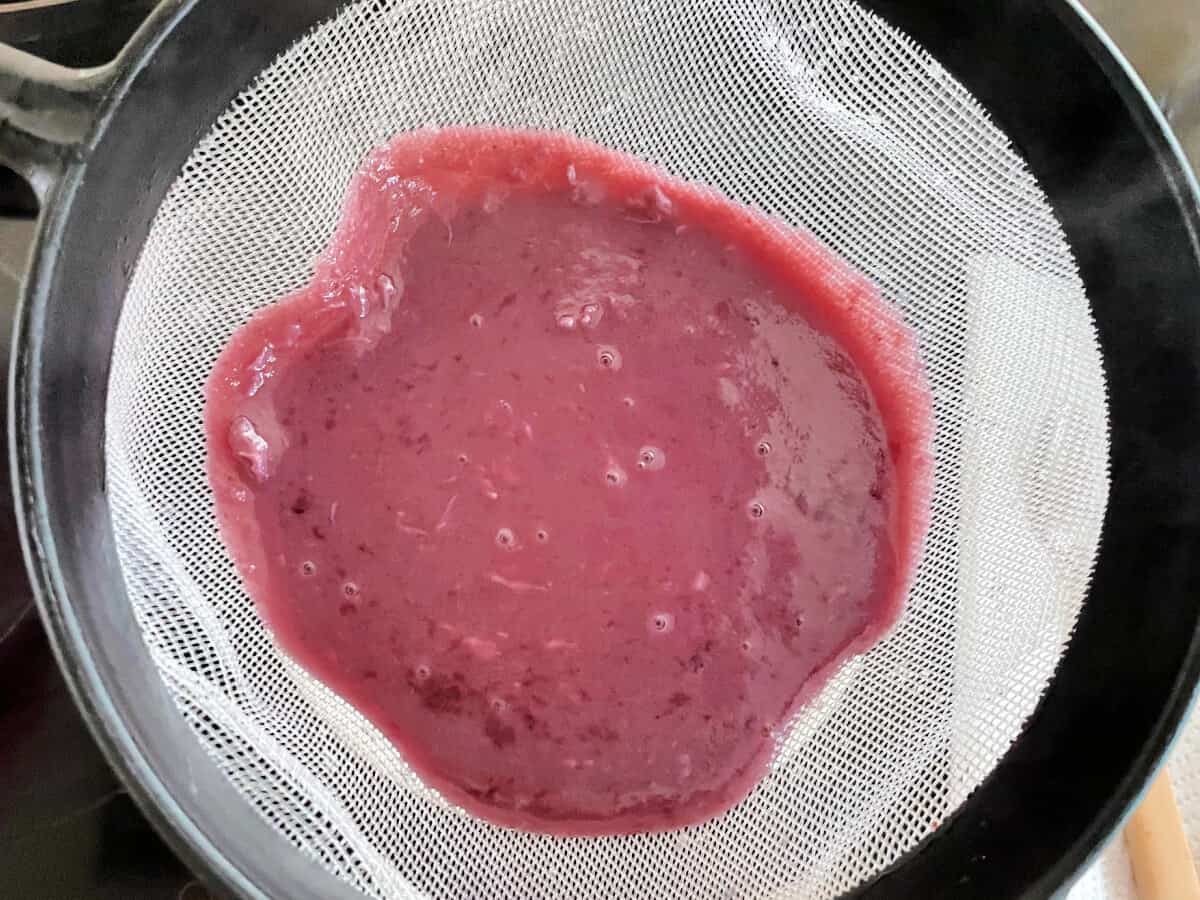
x,y
814,111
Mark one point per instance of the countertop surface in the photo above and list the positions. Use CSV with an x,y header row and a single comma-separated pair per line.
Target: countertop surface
x,y
67,828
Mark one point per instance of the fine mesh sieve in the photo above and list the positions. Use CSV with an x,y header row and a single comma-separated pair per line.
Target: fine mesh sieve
x,y
818,112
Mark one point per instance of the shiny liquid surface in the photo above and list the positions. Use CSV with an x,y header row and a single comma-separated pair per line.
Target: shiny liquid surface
x,y
574,479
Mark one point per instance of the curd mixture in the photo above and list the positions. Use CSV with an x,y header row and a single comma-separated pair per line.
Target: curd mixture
x,y
574,478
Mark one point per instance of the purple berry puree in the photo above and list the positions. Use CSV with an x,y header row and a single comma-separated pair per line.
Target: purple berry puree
x,y
575,479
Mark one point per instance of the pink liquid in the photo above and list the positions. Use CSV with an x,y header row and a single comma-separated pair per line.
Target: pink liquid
x,y
573,478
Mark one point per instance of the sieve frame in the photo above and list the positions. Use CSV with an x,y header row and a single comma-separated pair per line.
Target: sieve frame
x,y
102,175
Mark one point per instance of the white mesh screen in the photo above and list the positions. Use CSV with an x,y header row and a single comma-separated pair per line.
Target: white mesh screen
x,y
815,111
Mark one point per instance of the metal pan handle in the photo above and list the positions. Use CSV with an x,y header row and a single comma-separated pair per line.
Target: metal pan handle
x,y
46,113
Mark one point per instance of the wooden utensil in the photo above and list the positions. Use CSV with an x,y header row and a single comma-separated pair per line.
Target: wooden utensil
x,y
1158,849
